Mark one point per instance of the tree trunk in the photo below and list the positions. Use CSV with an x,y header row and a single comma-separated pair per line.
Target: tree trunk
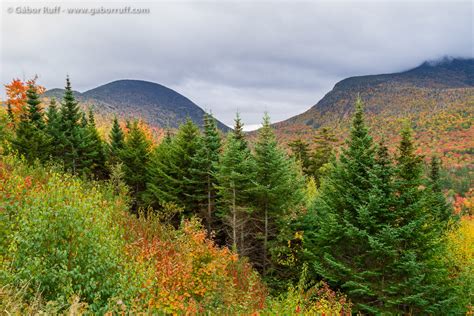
x,y
209,208
234,221
242,245
265,241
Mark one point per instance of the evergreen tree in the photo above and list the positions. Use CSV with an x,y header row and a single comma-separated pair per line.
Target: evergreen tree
x,y
84,121
235,176
91,149
84,147
337,227
161,183
278,187
323,149
369,232
35,112
71,135
203,170
423,285
135,156
170,175
440,209
238,131
170,169
185,146
53,128
117,139
31,140
300,151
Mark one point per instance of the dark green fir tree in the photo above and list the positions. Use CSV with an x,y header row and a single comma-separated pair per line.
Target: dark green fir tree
x,y
71,133
31,139
170,177
279,188
116,142
53,128
91,149
135,157
203,171
370,232
161,183
235,184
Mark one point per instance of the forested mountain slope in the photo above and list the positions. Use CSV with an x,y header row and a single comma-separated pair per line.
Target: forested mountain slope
x,y
157,104
437,98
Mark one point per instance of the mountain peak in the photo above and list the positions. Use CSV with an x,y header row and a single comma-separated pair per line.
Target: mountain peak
x,y
157,104
396,92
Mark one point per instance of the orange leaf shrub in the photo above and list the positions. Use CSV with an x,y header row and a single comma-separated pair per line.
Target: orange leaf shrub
x,y
187,273
464,205
16,94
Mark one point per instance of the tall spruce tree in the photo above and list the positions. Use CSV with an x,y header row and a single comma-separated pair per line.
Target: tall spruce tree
x,y
203,170
278,189
31,140
439,208
116,142
161,183
53,128
135,156
337,228
423,285
35,112
84,147
170,177
235,186
91,149
185,147
170,168
235,174
71,134
369,232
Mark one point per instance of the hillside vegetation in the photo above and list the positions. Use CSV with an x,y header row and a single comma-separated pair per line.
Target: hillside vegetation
x,y
436,98
192,222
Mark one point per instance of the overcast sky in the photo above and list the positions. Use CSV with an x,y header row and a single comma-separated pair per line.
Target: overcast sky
x,y
279,56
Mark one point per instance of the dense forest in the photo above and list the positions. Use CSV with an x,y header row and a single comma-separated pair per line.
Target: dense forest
x,y
197,221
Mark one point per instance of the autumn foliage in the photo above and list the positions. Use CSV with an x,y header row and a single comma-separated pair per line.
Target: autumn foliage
x,y
187,272
137,264
16,94
87,242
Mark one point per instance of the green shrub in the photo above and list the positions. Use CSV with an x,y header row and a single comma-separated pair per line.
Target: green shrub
x,y
62,237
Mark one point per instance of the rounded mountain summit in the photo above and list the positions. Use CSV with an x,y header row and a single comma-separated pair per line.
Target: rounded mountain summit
x,y
155,103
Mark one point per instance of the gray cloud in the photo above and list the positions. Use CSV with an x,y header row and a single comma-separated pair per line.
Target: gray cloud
x,y
277,56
